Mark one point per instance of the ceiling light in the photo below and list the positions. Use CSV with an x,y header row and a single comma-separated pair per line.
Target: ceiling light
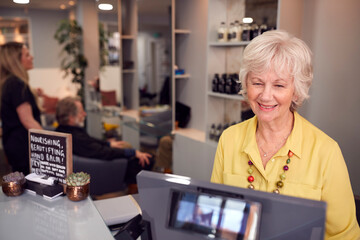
x,y
247,20
71,3
21,1
62,6
105,6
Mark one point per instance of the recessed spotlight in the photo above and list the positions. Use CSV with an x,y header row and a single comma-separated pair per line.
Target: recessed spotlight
x,y
21,1
71,3
247,20
105,6
62,6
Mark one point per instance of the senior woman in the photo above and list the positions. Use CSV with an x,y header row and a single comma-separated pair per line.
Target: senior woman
x,y
278,150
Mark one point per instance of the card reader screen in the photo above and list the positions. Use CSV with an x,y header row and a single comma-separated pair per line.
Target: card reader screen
x,y
214,216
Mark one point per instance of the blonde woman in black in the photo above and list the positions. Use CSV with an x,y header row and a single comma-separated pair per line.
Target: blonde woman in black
x,y
19,109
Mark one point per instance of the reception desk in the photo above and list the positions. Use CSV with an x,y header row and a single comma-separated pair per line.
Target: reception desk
x,y
31,216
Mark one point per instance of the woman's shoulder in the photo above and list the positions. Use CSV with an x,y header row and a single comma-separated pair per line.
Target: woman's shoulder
x,y
13,82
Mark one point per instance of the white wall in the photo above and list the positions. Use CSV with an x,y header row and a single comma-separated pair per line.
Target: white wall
x,y
53,82
110,80
331,28
43,24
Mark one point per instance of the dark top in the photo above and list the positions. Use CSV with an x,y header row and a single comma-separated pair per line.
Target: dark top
x,y
15,135
86,146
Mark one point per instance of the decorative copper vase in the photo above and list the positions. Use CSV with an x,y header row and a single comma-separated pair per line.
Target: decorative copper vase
x,y
13,188
78,193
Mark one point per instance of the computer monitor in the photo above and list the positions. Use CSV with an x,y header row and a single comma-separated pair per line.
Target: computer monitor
x,y
180,207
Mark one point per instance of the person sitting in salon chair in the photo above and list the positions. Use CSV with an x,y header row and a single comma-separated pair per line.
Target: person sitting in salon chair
x,y
70,115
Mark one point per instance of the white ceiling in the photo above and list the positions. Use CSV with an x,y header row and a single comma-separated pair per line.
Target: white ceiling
x,y
148,7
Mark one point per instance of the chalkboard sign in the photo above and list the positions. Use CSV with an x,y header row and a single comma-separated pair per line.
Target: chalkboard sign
x,y
50,153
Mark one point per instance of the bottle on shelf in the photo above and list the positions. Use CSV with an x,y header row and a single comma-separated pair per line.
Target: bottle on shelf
x,y
228,84
245,35
215,83
234,86
222,33
237,85
222,82
218,132
263,28
232,33
238,31
254,32
212,132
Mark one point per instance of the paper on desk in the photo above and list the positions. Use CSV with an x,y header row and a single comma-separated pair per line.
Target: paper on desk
x,y
117,210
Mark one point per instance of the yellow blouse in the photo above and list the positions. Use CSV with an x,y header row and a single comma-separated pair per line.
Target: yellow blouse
x,y
317,170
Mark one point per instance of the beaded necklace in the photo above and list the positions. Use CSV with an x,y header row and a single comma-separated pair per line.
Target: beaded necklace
x,y
279,184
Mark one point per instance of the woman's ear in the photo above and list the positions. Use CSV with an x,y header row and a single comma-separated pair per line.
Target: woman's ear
x,y
295,98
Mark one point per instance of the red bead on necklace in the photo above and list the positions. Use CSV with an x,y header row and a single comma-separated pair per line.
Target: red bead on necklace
x,y
279,184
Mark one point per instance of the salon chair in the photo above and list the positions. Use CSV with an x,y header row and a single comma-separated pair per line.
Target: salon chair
x,y
106,175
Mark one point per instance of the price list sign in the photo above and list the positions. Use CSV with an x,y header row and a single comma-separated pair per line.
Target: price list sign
x,y
50,153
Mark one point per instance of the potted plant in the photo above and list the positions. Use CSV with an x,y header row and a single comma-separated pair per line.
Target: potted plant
x,y
103,38
69,35
13,184
77,186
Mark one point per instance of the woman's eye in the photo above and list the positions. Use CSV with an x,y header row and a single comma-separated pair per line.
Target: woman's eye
x,y
279,85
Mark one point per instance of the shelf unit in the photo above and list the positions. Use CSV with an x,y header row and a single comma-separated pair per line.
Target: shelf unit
x,y
188,18
223,57
182,76
228,44
182,31
189,46
128,29
226,96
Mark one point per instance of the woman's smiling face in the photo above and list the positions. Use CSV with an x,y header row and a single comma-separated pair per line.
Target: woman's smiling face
x,y
270,95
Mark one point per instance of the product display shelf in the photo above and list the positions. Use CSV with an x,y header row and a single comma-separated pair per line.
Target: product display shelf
x,y
179,39
226,96
222,58
228,44
182,31
191,133
189,45
131,113
188,18
128,29
182,76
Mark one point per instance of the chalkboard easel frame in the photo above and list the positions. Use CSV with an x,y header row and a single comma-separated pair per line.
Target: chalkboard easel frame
x,y
50,135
